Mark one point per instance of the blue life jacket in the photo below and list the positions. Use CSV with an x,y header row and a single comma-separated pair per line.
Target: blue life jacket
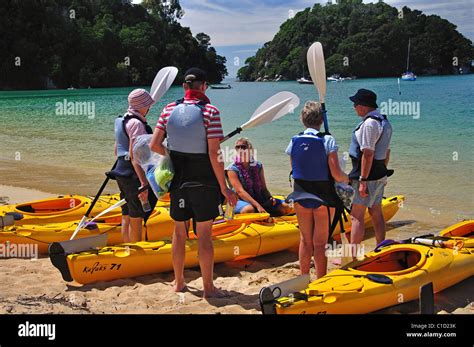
x,y
185,128
314,185
309,160
378,169
121,137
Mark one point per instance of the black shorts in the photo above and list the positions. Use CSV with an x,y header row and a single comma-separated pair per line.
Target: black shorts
x,y
129,191
200,203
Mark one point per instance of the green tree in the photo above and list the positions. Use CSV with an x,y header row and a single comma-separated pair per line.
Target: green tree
x,y
370,37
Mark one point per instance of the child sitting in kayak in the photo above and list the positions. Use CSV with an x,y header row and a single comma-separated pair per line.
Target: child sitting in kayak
x,y
247,177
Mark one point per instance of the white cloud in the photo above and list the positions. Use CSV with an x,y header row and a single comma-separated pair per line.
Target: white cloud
x,y
247,25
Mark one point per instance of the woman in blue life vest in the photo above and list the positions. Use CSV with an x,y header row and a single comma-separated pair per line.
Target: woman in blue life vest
x,y
315,167
247,177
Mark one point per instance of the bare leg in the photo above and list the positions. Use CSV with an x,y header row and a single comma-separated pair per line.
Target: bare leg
x,y
178,253
125,229
306,226
320,239
248,209
206,257
135,231
358,226
378,222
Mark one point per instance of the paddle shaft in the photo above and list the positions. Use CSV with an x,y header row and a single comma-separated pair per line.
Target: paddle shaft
x,y
101,189
233,133
325,118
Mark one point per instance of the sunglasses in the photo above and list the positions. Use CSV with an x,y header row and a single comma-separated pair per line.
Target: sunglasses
x,y
241,147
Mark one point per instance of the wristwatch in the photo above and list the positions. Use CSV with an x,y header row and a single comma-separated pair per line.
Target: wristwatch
x,y
362,179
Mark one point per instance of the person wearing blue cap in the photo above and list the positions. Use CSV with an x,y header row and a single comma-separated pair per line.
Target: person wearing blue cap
x,y
315,167
370,154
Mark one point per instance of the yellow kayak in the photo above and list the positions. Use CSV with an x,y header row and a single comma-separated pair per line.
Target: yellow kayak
x,y
233,240
63,208
159,226
389,276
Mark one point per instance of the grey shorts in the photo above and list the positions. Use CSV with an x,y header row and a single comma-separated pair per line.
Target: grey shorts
x,y
375,192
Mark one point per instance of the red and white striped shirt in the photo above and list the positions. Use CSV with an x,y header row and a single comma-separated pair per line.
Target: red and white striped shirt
x,y
211,116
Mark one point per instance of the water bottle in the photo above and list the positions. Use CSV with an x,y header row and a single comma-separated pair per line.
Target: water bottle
x,y
146,206
229,211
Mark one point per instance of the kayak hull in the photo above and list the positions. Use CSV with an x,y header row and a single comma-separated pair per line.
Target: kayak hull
x,y
60,209
144,258
244,237
159,226
351,290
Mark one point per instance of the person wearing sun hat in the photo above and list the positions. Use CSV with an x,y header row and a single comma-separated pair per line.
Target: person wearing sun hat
x,y
128,174
370,153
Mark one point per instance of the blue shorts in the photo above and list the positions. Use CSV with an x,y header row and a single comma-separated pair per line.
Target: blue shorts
x,y
241,204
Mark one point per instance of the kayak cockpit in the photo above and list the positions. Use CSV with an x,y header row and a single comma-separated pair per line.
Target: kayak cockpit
x,y
52,206
461,229
397,261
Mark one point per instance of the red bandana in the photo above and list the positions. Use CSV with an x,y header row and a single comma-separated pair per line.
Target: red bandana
x,y
196,94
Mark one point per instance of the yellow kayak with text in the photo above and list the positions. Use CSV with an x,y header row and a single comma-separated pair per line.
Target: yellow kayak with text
x,y
235,240
389,276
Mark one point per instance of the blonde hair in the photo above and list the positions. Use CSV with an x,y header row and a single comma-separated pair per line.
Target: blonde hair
x,y
245,141
312,114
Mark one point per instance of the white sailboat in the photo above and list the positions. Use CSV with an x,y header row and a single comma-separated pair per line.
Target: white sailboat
x,y
408,75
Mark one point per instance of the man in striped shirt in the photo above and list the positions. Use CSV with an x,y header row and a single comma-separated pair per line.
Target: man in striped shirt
x,y
193,132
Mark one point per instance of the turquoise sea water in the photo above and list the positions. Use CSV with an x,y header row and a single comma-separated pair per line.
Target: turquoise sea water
x,y
433,154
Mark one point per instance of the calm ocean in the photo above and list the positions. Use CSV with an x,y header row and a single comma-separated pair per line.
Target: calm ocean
x,y
432,144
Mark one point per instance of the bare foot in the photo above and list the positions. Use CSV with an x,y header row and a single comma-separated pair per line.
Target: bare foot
x,y
179,286
215,293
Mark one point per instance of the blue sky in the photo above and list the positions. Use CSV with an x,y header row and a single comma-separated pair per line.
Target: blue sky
x,y
239,27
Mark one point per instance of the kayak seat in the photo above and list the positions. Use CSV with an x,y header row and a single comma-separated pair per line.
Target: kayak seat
x,y
26,208
391,262
58,205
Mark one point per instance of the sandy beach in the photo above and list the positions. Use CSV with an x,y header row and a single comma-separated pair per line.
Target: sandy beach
x,y
35,286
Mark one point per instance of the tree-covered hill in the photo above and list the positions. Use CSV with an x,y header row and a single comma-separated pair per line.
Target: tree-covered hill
x,y
365,40
97,43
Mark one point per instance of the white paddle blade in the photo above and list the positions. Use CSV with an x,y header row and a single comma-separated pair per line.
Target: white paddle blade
x,y
107,210
317,69
83,224
162,82
79,227
273,108
288,287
